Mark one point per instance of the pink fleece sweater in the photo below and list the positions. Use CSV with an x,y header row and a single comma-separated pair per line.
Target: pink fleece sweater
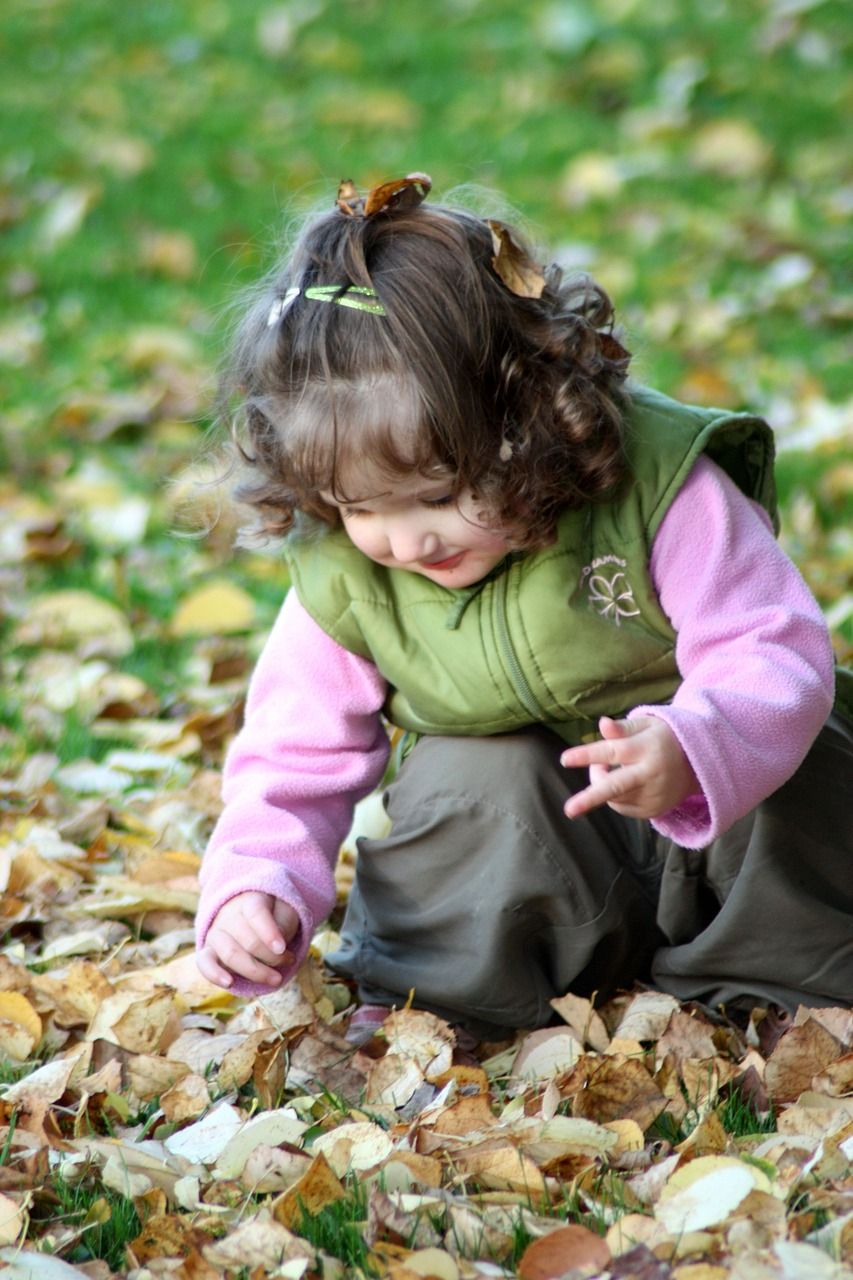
x,y
757,682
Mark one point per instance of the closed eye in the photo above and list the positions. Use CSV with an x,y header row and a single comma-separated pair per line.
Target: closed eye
x,y
443,501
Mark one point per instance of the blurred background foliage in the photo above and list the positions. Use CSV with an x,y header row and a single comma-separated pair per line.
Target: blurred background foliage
x,y
693,154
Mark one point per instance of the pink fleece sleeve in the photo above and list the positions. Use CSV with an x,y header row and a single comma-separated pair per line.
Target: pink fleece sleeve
x,y
313,744
753,650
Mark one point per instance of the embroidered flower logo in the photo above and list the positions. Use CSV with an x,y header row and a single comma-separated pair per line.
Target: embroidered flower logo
x,y
612,597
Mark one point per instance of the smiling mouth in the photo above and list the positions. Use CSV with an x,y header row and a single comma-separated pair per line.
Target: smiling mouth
x,y
449,563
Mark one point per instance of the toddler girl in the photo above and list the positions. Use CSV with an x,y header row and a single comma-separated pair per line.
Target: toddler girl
x,y
622,759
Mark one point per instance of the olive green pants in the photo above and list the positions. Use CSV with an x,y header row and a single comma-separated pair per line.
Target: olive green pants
x,y
488,902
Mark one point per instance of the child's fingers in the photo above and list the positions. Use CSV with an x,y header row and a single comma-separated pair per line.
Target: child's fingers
x,y
210,968
239,960
264,933
614,785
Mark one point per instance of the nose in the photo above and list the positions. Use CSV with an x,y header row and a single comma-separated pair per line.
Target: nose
x,y
410,539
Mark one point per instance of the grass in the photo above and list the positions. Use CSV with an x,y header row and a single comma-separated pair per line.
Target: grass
x,y
114,1221
336,1228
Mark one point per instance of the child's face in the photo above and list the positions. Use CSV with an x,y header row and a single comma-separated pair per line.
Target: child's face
x,y
415,523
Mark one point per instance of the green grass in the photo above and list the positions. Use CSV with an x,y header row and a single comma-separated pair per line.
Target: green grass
x,y
337,1230
105,1240
739,1117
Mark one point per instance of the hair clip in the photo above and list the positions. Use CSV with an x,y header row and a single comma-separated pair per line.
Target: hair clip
x,y
359,297
281,305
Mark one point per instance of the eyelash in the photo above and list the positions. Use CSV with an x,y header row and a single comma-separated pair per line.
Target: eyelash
x,y
444,501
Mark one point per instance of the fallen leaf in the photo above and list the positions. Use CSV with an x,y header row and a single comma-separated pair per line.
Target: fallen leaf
x,y
802,1052
647,1016
357,1146
566,1249
213,609
546,1053
620,1089
20,1025
317,1187
79,619
586,1023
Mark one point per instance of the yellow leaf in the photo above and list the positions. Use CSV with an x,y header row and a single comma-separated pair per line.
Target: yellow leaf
x,y
318,1187
503,1168
217,607
17,1010
78,619
430,1262
132,1021
11,1220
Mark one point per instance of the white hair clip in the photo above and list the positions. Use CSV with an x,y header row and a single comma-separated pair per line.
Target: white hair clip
x,y
280,305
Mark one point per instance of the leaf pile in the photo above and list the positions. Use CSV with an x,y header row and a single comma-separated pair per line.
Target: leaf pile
x,y
250,1138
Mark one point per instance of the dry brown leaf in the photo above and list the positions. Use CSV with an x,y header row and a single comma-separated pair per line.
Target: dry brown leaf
x,y
620,1089
46,1085
802,1053
521,275
150,1076
708,1138
703,1080
686,1036
317,1187
566,1249
501,1167
186,1100
261,1242
416,1034
76,995
586,1023
466,1114
131,1021
837,1079
647,1016
392,1080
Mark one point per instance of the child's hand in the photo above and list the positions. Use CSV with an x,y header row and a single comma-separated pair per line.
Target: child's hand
x,y
249,937
637,768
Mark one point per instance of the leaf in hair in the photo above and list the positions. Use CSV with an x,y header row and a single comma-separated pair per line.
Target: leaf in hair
x,y
348,200
398,193
612,349
521,275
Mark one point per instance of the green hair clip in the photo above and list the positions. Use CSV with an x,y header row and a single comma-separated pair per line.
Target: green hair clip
x,y
356,296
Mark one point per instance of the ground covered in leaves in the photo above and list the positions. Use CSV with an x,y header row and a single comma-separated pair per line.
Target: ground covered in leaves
x,y
689,154
171,1130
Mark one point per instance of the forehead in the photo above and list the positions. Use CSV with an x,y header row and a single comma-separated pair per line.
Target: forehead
x,y
361,481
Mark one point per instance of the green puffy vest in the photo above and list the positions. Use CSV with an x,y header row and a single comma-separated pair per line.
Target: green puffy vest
x,y
558,636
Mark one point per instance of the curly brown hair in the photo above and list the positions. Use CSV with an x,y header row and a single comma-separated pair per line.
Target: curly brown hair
x,y
521,399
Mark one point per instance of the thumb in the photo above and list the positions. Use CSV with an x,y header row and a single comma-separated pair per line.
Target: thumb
x,y
286,918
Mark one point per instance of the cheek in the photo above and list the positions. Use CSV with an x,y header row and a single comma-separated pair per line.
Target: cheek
x,y
364,537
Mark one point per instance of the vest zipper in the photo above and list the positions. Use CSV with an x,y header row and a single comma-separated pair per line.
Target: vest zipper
x,y
512,665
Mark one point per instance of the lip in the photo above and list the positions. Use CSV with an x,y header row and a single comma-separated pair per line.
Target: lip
x,y
450,563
